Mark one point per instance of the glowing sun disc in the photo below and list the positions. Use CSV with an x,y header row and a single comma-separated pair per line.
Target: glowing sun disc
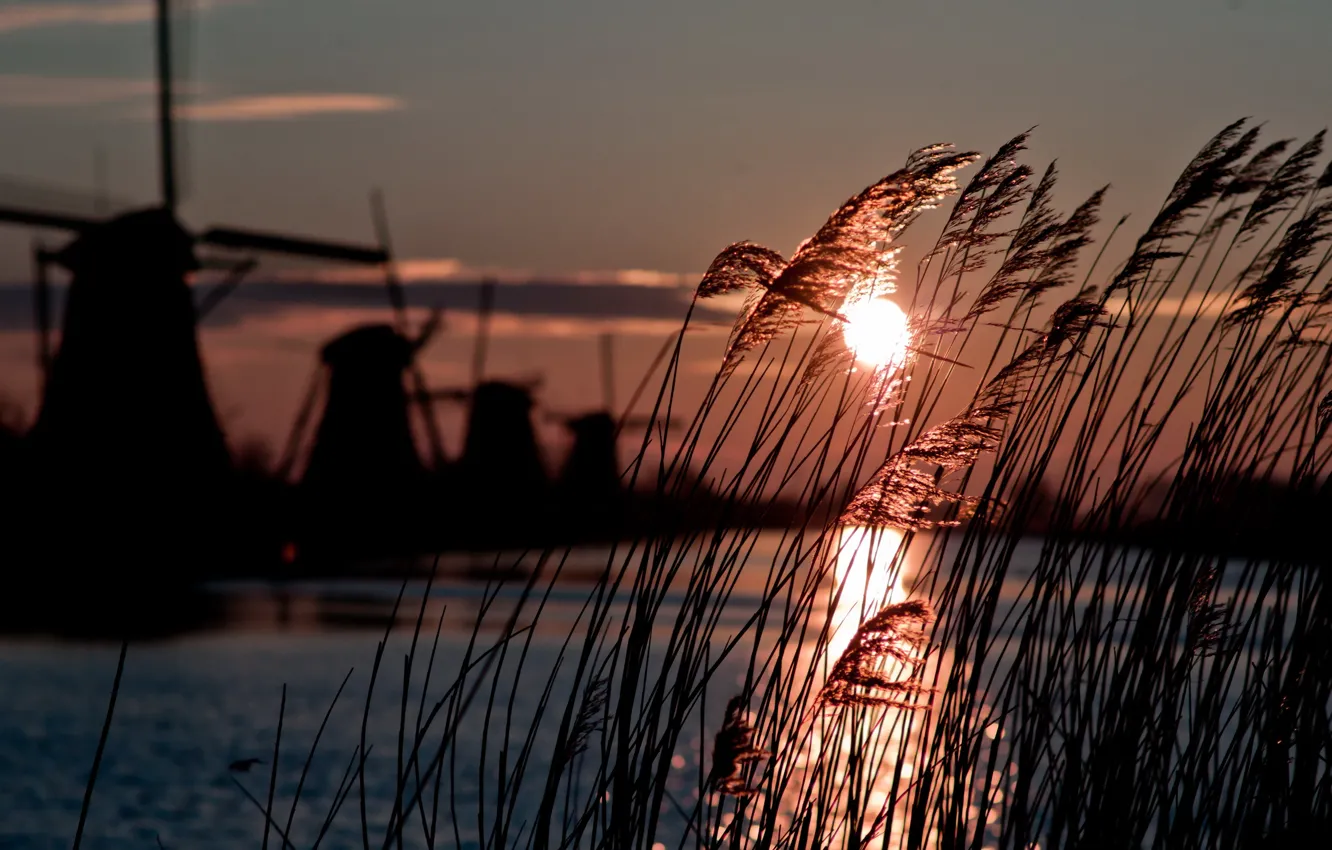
x,y
877,332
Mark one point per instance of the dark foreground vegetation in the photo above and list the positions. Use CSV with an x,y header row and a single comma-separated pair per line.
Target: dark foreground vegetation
x,y
1108,696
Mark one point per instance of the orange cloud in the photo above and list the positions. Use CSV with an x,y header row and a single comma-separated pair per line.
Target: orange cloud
x,y
282,107
447,269
298,329
25,16
1213,305
409,271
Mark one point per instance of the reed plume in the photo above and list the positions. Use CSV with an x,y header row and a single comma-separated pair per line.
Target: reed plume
x,y
587,722
1291,181
896,632
844,260
1276,286
1208,623
1128,675
1042,249
971,236
732,749
901,494
1202,180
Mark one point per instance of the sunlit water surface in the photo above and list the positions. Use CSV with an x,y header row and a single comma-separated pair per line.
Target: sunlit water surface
x,y
192,705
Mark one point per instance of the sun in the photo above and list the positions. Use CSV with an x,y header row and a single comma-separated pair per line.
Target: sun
x,y
877,332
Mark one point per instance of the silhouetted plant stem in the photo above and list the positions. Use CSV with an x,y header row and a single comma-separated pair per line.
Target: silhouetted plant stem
x,y
101,746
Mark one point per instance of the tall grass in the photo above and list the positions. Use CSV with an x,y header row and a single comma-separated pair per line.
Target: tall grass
x,y
1066,691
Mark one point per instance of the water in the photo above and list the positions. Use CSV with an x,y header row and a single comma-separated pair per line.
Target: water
x,y
192,705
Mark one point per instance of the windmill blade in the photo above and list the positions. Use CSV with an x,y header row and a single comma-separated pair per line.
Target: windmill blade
x,y
432,325
166,149
397,297
650,421
651,370
181,32
215,296
222,262
54,221
59,200
421,391
254,240
456,394
41,311
291,452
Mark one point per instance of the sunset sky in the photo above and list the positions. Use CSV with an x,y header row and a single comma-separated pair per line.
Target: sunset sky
x,y
591,145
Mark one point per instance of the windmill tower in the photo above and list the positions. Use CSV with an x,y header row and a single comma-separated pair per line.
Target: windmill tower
x,y
591,472
364,490
499,480
364,441
501,457
591,497
125,406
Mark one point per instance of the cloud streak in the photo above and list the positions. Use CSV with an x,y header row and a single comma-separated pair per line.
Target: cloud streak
x,y
32,90
300,331
1210,306
284,107
16,17
581,302
452,270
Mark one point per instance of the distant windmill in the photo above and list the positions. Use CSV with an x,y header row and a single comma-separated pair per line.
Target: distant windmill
x,y
353,358
363,446
364,487
592,471
125,400
501,462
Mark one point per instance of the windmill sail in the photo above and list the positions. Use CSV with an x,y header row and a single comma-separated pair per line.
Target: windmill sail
x,y
166,139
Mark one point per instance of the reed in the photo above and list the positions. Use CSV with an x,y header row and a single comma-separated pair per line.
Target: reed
x,y
1071,690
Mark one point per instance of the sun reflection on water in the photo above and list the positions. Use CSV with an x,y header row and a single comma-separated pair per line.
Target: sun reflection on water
x,y
868,571
868,575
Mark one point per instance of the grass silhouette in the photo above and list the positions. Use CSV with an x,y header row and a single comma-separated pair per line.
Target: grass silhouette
x,y
1110,696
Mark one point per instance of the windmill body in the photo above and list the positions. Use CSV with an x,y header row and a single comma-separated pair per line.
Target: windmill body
x,y
589,481
363,448
500,452
365,490
127,398
593,500
591,472
126,452
500,483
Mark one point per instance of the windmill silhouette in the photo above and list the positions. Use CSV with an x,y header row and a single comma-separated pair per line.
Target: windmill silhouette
x,y
498,480
364,490
592,470
368,349
124,401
